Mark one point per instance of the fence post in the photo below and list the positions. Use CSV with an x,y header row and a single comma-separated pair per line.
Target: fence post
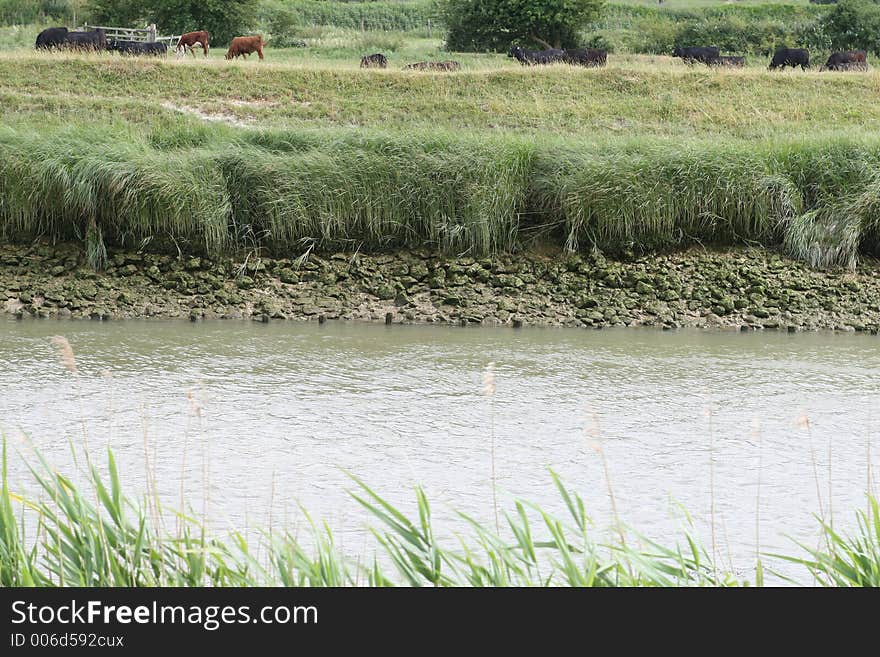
x,y
429,28
151,32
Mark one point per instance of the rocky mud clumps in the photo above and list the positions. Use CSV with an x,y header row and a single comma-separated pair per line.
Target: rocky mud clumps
x,y
747,289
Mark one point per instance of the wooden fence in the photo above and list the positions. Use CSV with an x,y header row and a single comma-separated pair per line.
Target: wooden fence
x,y
145,35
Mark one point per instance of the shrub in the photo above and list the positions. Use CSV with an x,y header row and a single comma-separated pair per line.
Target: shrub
x,y
117,12
20,12
485,25
854,25
281,24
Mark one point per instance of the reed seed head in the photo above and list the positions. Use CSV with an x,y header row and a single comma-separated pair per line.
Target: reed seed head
x,y
65,353
489,380
803,422
194,406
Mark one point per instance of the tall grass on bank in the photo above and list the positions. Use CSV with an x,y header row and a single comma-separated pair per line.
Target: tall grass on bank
x,y
94,535
219,190
65,186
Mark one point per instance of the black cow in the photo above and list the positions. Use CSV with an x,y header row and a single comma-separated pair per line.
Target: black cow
x,y
91,40
153,48
528,57
850,60
703,54
51,37
732,61
376,60
586,57
793,57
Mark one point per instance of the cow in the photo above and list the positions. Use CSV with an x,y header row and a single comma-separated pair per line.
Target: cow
x,y
154,48
89,40
850,60
586,57
190,40
376,60
691,55
731,61
244,46
51,37
528,57
851,66
433,66
793,57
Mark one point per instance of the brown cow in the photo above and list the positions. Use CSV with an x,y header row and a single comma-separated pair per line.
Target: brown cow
x,y
850,60
190,40
244,46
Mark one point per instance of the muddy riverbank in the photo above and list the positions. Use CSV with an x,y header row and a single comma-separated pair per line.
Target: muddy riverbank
x,y
750,289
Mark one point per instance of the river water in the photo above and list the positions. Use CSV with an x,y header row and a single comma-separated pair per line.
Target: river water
x,y
254,420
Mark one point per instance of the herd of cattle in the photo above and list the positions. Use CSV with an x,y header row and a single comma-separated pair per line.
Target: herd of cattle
x,y
851,60
55,38
575,56
378,60
60,37
579,56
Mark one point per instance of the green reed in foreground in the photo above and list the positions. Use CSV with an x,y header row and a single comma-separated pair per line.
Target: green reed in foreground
x,y
97,536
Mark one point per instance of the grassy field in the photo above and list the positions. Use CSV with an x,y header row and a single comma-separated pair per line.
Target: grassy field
x,y
634,96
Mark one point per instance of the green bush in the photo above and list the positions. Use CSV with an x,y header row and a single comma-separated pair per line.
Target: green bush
x,y
495,25
22,12
280,24
119,13
854,25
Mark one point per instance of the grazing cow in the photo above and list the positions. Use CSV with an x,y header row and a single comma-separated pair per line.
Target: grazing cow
x,y
154,48
793,57
90,40
51,37
376,60
244,46
433,66
190,40
703,54
528,57
448,65
729,60
586,57
850,60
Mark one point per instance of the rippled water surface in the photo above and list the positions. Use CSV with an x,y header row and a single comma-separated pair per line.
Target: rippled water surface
x,y
270,416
